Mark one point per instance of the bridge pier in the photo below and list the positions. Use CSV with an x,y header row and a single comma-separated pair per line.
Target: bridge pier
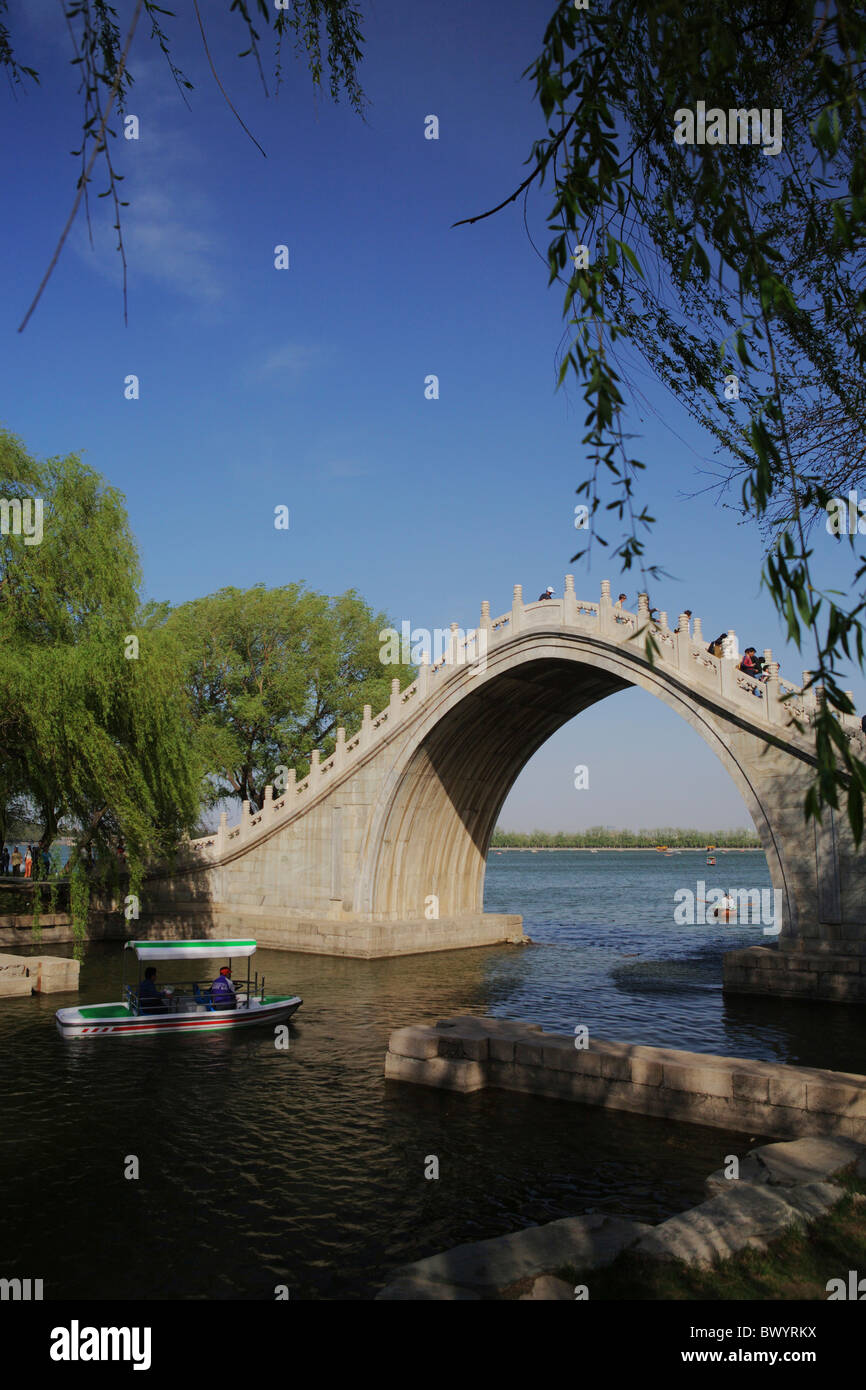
x,y
328,936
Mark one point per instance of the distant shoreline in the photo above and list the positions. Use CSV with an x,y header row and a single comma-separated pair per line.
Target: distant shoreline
x,y
619,849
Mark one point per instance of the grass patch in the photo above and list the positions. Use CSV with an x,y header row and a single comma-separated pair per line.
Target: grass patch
x,y
796,1265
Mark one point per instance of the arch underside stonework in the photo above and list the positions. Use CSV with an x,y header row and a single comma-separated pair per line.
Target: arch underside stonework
x,y
434,830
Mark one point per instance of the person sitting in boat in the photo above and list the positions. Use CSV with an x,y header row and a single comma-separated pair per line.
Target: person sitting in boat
x,y
223,990
150,1001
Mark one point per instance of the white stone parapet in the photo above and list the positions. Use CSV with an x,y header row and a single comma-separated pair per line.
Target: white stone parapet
x,y
684,657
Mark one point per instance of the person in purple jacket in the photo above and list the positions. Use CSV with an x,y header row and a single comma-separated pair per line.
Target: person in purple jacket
x,y
223,990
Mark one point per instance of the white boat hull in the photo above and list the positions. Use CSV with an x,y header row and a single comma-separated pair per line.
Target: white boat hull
x,y
115,1020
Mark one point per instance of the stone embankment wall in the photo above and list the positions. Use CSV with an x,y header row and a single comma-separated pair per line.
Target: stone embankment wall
x,y
467,1054
804,968
57,927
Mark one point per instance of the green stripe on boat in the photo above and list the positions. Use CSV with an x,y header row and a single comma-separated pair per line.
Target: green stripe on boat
x,y
180,945
105,1011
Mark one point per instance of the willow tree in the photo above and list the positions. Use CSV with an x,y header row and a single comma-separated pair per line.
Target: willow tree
x,y
706,165
93,724
270,674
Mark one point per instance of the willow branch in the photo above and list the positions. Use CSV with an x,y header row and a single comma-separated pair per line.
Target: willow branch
x,y
118,78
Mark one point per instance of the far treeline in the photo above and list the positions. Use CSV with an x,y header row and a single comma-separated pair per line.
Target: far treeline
x,y
600,837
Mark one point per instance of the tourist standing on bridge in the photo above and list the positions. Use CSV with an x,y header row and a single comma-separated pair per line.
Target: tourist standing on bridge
x,y
548,593
28,864
16,862
716,648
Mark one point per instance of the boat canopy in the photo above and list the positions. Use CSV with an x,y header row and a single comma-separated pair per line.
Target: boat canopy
x,y
190,950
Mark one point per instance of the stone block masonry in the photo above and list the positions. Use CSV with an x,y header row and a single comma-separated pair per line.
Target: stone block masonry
x,y
37,974
806,968
734,1093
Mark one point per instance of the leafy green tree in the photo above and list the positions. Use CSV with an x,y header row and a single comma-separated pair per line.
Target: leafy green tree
x,y
94,729
600,836
270,674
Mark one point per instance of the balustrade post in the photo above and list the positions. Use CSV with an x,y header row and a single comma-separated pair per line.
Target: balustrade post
x,y
606,617
423,677
394,702
222,833
517,608
808,695
291,782
484,620
367,725
340,749
315,760
683,642
698,634
727,681
776,712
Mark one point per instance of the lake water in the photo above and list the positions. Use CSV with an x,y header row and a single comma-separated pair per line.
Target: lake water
x,y
260,1167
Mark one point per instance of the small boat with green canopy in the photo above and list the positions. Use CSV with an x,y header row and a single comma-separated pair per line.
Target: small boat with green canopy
x,y
152,1005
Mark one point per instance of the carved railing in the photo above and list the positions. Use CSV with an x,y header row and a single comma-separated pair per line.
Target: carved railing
x,y
681,650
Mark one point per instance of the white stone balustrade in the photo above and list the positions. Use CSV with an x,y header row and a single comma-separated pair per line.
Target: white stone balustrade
x,y
684,656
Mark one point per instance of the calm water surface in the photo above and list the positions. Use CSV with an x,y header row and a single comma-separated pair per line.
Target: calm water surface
x,y
304,1168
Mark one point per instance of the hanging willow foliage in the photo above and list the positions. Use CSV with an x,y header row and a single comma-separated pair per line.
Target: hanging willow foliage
x,y
721,262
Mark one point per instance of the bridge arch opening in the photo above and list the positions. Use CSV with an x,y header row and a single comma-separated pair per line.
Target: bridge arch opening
x,y
442,806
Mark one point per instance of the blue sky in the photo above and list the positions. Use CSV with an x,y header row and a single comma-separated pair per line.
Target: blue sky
x,y
305,387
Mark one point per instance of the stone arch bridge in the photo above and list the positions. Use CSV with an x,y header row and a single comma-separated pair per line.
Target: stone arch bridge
x,y
381,849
